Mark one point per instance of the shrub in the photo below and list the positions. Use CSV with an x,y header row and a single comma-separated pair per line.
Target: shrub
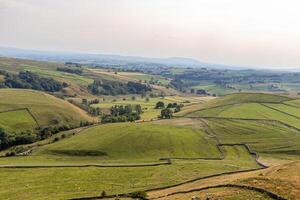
x,y
103,194
159,105
139,195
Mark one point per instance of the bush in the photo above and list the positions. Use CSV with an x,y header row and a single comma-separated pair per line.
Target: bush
x,y
159,105
139,195
103,194
166,113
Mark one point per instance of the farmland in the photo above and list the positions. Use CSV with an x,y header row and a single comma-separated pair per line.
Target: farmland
x,y
36,109
208,138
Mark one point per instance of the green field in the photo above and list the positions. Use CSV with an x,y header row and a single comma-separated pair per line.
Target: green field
x,y
64,183
252,106
149,111
119,152
18,120
46,109
215,89
69,78
144,142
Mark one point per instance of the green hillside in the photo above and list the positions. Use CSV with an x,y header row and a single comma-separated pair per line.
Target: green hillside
x,y
248,98
134,141
252,106
262,136
25,109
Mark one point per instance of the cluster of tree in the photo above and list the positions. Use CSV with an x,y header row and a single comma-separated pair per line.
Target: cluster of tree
x,y
70,70
30,80
178,84
85,105
199,91
8,139
72,64
166,113
106,87
120,113
175,106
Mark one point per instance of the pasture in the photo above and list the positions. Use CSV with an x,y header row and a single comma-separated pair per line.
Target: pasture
x,y
45,108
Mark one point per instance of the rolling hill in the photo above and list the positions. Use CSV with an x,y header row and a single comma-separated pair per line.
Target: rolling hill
x,y
22,109
250,106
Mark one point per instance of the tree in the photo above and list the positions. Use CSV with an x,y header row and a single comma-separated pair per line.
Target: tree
x,y
159,105
139,195
4,139
138,109
84,102
166,113
177,109
170,105
133,98
103,194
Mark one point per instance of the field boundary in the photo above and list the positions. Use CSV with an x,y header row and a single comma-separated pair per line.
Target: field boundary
x,y
246,187
279,111
247,119
19,109
124,195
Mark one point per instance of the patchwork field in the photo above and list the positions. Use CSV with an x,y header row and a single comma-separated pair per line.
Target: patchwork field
x,y
149,111
217,135
281,180
71,167
44,109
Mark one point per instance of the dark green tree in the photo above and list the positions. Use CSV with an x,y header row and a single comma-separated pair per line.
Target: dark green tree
x,y
159,105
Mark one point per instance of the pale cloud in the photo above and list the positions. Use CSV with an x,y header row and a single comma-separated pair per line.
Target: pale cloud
x,y
257,32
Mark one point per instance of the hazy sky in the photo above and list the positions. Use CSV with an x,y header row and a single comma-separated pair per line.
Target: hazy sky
x,y
248,32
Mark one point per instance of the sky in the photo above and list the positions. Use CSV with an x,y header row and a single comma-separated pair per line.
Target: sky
x,y
260,33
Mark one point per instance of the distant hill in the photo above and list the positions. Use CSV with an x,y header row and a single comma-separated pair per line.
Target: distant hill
x,y
103,59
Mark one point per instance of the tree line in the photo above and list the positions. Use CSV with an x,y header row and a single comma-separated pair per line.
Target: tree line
x,y
106,87
120,113
30,80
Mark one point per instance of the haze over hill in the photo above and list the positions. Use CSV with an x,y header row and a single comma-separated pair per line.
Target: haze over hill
x,y
105,58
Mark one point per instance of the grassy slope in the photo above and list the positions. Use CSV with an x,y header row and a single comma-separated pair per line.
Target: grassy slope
x,y
44,107
251,106
148,107
19,120
63,183
15,65
262,136
130,141
282,180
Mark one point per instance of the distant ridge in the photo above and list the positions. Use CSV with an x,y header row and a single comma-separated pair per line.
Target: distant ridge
x,y
105,59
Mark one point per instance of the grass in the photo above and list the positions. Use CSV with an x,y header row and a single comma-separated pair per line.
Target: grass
x,y
282,180
215,89
262,136
149,111
16,65
64,183
146,77
47,109
17,121
69,78
133,142
221,194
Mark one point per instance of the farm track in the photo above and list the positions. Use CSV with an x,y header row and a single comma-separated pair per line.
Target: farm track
x,y
246,187
168,162
219,146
